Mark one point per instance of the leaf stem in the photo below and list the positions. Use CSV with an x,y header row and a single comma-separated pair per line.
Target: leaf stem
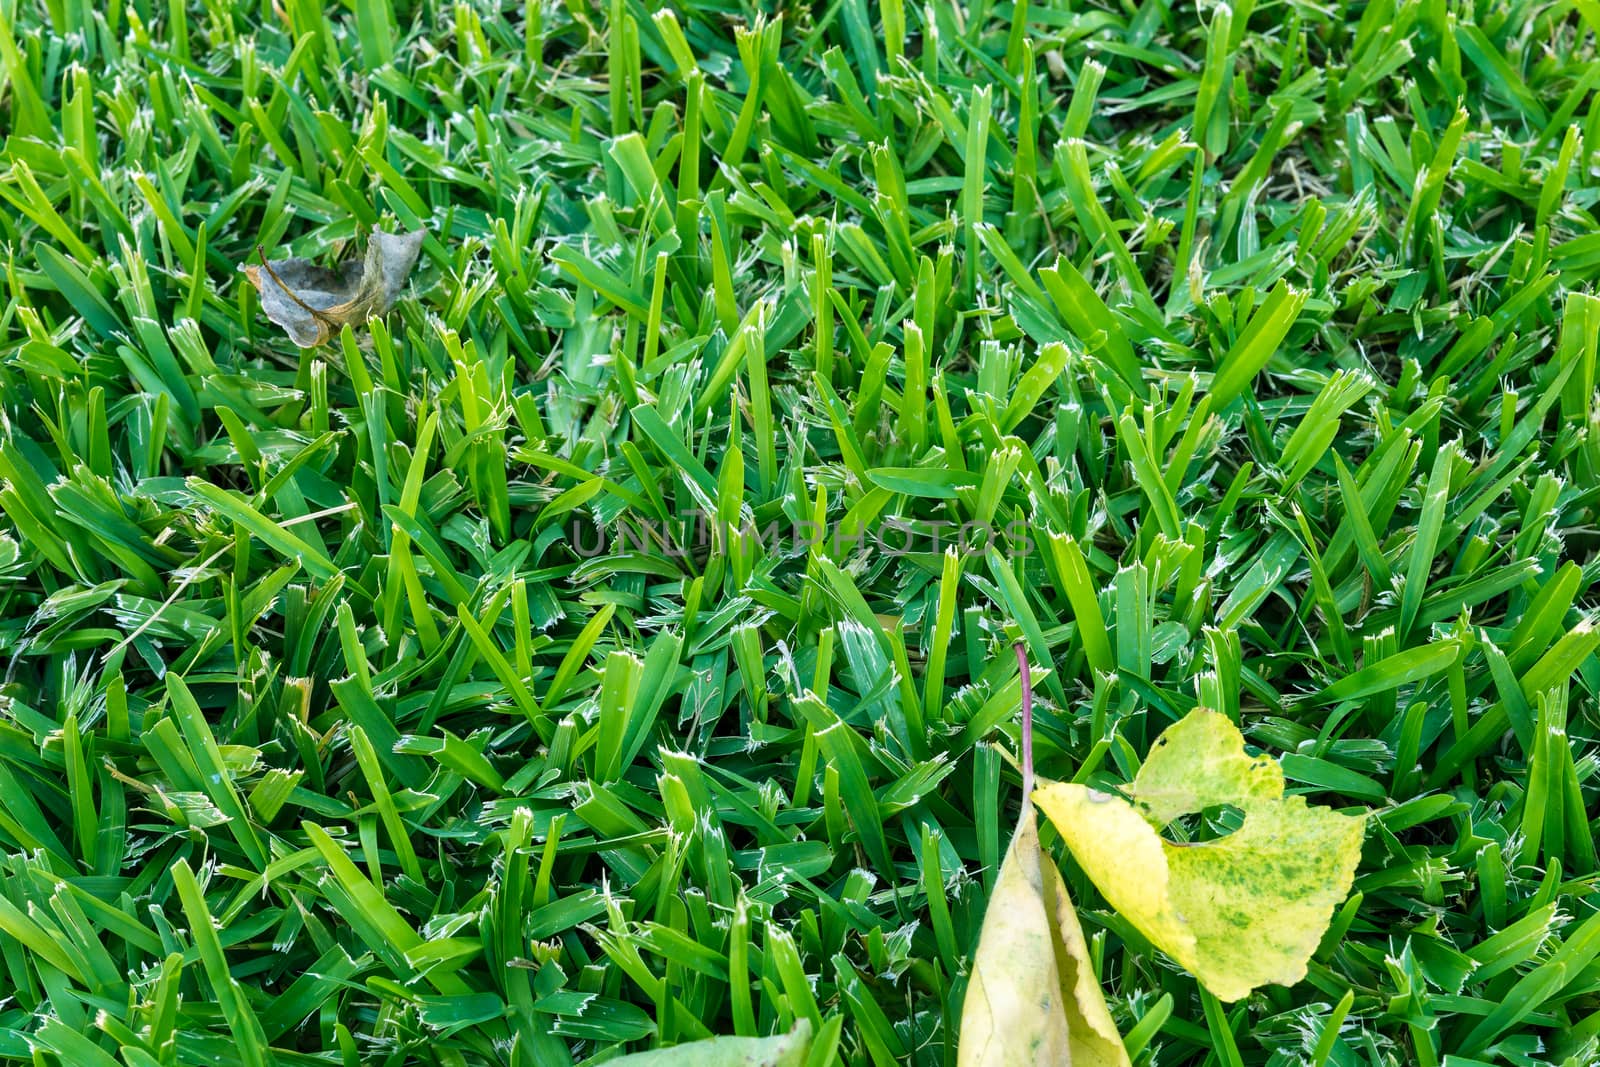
x,y
1027,722
318,315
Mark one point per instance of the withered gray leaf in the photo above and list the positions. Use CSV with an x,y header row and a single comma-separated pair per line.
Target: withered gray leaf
x,y
313,303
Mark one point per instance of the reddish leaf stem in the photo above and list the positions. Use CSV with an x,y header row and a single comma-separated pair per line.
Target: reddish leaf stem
x,y
1027,723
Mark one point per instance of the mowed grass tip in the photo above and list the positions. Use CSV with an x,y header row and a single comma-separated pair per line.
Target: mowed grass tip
x,y
611,644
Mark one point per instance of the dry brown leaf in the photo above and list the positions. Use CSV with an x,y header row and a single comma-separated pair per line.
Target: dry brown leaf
x,y
313,303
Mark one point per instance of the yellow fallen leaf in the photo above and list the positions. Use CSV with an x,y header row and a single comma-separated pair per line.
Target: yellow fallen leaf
x,y
1199,762
1237,912
1032,998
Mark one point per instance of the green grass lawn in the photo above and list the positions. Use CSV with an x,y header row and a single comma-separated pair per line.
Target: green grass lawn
x,y
612,645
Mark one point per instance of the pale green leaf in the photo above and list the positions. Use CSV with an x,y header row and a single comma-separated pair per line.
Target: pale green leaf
x,y
1032,998
781,1050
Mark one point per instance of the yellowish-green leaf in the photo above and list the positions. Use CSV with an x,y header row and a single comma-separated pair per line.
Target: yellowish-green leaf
x,y
1200,762
1032,999
1239,911
782,1050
